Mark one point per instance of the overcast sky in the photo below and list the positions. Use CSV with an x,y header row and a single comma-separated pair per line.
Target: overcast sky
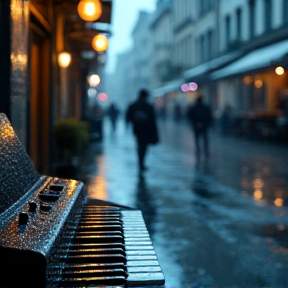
x,y
124,17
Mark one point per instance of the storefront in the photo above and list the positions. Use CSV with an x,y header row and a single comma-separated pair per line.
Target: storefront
x,y
255,87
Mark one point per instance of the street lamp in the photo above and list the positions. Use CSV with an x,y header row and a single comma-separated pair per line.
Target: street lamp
x,y
90,10
64,59
100,43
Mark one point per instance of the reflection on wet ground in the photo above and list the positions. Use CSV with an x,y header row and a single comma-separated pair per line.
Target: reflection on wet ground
x,y
217,223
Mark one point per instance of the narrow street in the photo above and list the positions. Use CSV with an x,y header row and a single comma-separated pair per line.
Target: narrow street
x,y
221,223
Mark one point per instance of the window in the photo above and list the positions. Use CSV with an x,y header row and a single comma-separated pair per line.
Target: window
x,y
268,15
285,11
239,24
210,45
202,50
252,18
227,30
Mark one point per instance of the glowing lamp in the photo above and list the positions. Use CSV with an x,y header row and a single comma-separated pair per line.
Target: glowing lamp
x,y
279,70
193,86
258,83
90,10
94,80
185,88
100,43
64,59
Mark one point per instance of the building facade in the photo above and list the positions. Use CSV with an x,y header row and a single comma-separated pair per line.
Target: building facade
x,y
35,90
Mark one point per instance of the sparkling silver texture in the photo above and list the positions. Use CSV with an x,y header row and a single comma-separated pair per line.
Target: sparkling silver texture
x,y
17,173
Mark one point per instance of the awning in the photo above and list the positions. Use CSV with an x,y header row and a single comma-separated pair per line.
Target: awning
x,y
211,65
168,87
260,58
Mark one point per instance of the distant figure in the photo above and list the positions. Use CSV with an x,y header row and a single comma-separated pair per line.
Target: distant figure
x,y
113,113
142,117
200,117
177,113
225,120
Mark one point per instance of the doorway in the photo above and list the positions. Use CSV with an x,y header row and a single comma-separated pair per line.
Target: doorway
x,y
39,100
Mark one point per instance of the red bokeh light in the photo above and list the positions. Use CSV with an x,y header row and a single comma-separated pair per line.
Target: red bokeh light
x,y
102,97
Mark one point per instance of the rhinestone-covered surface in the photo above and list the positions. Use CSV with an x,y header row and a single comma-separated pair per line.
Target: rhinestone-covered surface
x,y
17,174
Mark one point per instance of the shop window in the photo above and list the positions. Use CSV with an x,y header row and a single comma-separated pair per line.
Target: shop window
x,y
252,18
227,30
285,11
239,24
210,45
202,44
268,15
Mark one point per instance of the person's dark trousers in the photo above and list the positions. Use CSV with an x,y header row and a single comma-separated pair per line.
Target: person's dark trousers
x,y
142,146
201,134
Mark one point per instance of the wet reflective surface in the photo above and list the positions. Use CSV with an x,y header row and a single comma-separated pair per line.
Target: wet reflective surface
x,y
216,223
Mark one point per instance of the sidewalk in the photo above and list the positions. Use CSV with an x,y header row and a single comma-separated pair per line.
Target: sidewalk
x,y
222,223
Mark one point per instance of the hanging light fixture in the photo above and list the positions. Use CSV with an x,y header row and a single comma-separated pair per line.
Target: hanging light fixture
x,y
90,10
100,43
64,59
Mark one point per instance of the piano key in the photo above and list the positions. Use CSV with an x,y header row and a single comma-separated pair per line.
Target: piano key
x,y
93,251
147,269
148,263
71,273
98,258
93,246
98,239
141,257
156,278
87,281
139,243
140,252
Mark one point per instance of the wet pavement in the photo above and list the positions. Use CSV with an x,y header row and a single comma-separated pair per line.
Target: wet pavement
x,y
215,223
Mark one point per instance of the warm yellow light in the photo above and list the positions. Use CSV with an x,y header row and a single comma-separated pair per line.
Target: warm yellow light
x,y
94,80
258,183
258,83
64,59
278,202
247,80
258,194
100,43
90,10
279,70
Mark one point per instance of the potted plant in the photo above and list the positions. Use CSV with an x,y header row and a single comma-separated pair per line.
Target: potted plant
x,y
71,136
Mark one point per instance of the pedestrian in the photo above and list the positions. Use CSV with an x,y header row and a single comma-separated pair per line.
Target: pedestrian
x,y
142,117
113,113
200,118
225,120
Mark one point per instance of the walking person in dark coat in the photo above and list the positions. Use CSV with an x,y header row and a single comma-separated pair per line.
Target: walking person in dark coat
x,y
113,113
142,117
200,117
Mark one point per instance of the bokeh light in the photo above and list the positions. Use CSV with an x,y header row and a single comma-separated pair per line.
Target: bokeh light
x,y
193,86
102,97
185,88
100,43
90,10
258,83
279,70
94,80
92,92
